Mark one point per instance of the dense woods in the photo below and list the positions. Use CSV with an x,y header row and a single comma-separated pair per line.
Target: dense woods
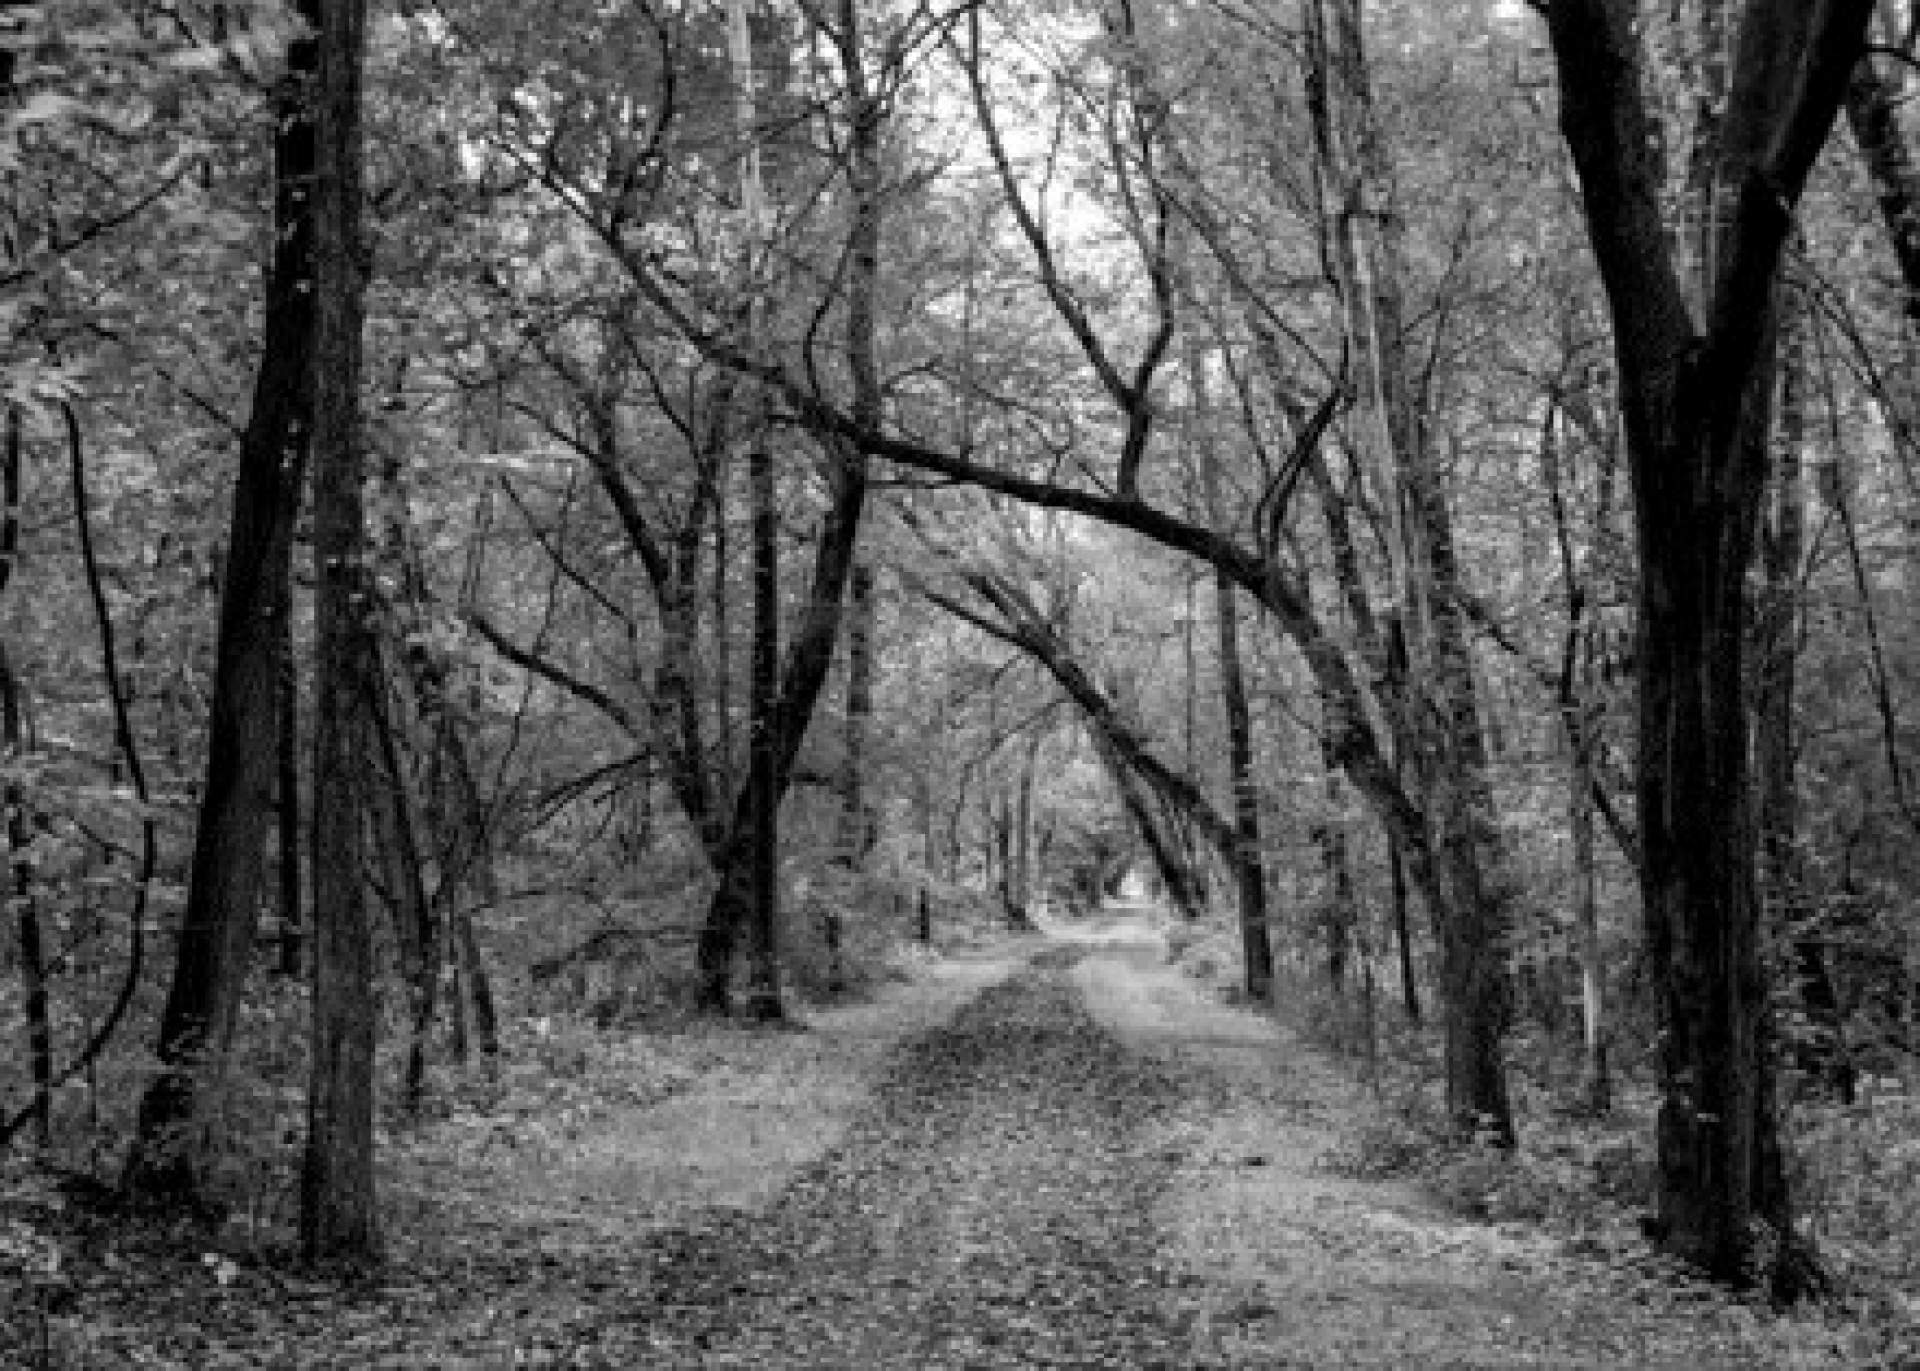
x,y
1426,491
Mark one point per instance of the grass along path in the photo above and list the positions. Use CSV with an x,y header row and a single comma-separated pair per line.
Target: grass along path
x,y
1292,1262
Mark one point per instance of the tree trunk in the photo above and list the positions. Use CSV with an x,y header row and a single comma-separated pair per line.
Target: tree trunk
x,y
1246,859
1402,931
1578,722
287,795
396,837
227,877
1596,1079
1339,905
762,834
467,878
1026,883
856,835
478,985
1697,410
338,1213
26,911
856,826
1470,861
1001,817
1776,649
1169,862
811,651
19,826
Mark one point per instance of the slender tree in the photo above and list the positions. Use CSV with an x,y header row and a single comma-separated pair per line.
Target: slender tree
x,y
338,1217
19,825
227,877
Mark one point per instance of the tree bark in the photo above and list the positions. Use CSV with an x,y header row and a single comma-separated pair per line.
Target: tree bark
x,y
1873,115
856,832
338,1213
397,841
1169,863
1470,857
227,877
1246,860
1339,907
287,796
1403,932
811,651
1578,723
26,910
1596,1076
1697,403
1783,878
1026,880
19,826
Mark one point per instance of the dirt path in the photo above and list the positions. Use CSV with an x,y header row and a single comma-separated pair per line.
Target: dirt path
x,y
1093,1165
991,1210
1058,1154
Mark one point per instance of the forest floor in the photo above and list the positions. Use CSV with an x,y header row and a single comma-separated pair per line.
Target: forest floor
x,y
1052,1151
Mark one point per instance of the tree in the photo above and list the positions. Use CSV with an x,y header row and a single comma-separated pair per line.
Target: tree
x,y
227,877
1697,393
337,1206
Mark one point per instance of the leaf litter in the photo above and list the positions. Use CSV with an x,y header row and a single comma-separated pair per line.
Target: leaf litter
x,y
1082,1161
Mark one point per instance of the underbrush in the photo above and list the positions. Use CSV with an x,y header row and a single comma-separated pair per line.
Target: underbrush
x,y
605,1028
1589,1179
1857,1181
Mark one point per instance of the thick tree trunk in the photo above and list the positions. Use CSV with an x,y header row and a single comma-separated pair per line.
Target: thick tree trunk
x,y
1696,404
227,876
338,1214
1701,901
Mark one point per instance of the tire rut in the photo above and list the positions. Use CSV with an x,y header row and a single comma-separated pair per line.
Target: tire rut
x,y
991,1208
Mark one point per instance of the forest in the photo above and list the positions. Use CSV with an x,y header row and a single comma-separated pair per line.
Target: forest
x,y
543,544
